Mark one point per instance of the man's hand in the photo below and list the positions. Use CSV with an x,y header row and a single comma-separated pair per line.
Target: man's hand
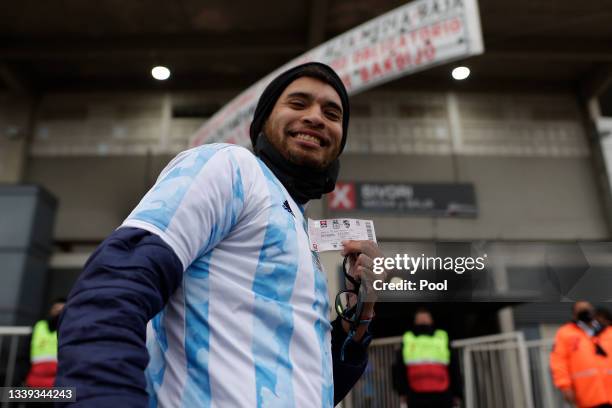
x,y
362,255
568,395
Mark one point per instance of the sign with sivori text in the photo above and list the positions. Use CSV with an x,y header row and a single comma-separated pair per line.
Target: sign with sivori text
x,y
435,199
408,39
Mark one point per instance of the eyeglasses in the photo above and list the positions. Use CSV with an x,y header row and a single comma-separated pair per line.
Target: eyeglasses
x,y
349,302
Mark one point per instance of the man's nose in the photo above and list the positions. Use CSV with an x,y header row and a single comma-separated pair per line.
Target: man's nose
x,y
314,117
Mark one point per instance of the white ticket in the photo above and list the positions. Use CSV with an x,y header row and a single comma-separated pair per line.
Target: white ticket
x,y
327,235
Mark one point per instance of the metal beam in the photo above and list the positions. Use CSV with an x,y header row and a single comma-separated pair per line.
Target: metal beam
x,y
318,20
51,54
16,83
598,157
216,81
592,85
546,54
551,49
134,48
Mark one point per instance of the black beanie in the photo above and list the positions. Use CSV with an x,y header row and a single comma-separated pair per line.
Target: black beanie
x,y
274,90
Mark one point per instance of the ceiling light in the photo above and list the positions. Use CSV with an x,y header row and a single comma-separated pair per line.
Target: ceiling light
x,y
460,73
160,73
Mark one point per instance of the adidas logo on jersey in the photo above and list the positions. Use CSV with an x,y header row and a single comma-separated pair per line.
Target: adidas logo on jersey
x,y
286,207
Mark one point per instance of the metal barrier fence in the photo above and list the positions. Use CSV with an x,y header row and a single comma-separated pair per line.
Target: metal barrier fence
x,y
11,336
545,395
501,371
506,371
375,388
495,371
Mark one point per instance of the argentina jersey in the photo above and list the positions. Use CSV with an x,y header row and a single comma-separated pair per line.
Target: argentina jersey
x,y
249,324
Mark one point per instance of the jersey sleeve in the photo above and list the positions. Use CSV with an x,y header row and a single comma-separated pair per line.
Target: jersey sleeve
x,y
196,200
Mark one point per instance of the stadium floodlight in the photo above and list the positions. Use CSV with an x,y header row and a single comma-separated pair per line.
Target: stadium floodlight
x,y
160,73
460,73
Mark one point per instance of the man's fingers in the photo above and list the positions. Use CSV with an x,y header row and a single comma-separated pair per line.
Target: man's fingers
x,y
361,272
364,260
349,247
368,247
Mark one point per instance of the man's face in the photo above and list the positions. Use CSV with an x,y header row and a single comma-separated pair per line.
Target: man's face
x,y
56,309
582,306
423,318
305,125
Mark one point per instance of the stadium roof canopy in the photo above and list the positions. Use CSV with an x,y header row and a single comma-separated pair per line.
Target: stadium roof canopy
x,y
80,45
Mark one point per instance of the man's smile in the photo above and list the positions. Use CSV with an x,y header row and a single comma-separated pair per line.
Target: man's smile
x,y
310,136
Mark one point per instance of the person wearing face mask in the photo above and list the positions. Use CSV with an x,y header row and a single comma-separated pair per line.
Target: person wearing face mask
x,y
43,348
213,271
422,374
581,360
603,316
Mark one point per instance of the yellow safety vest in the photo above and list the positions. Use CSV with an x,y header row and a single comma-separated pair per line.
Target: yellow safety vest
x,y
425,348
427,358
43,347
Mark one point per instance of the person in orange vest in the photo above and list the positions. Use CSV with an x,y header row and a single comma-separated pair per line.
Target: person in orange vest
x,y
603,316
43,349
422,374
581,360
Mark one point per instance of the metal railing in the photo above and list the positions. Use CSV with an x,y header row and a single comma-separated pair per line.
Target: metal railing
x,y
547,396
505,370
10,335
495,371
375,387
502,370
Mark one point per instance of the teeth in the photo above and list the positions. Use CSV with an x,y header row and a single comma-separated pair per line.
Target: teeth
x,y
308,138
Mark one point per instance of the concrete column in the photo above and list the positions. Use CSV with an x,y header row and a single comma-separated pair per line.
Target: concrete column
x,y
505,318
599,133
16,128
27,216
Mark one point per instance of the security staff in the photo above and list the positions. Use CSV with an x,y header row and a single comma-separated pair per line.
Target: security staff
x,y
581,360
43,349
422,374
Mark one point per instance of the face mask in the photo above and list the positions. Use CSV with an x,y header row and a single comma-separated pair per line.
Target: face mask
x,y
585,316
302,182
423,329
52,321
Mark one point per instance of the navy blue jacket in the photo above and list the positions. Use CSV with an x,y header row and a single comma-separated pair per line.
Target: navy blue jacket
x,y
127,281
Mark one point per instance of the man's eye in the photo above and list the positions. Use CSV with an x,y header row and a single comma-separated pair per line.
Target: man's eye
x,y
333,115
297,103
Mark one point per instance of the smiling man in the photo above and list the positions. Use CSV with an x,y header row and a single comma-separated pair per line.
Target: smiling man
x,y
213,271
306,123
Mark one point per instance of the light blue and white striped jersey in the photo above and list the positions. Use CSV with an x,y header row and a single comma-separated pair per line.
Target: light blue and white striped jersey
x,y
249,324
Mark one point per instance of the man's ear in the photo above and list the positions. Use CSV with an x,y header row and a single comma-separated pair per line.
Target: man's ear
x,y
259,143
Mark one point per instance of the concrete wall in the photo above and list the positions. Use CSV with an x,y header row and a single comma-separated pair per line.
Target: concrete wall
x,y
15,129
518,198
526,154
95,193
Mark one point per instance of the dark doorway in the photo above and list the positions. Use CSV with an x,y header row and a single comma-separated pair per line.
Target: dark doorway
x,y
460,320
